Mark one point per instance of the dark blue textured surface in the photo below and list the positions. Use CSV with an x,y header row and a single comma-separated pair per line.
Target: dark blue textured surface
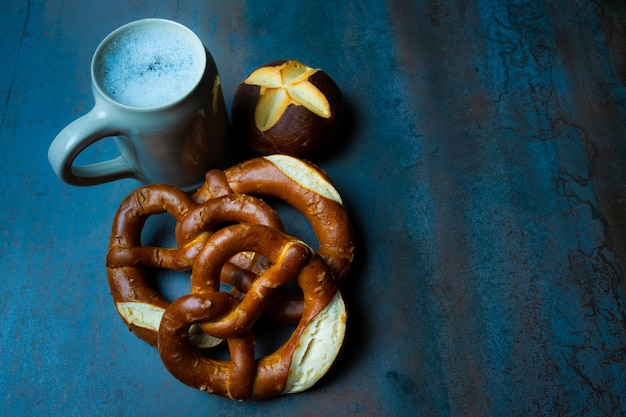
x,y
483,161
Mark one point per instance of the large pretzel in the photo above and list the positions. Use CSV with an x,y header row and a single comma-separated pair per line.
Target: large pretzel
x,y
301,184
299,363
139,304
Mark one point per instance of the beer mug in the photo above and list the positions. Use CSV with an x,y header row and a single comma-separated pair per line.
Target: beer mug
x,y
157,92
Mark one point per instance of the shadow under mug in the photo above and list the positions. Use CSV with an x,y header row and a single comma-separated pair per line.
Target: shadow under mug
x,y
173,141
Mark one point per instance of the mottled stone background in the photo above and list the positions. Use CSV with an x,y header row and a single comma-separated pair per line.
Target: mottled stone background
x,y
482,159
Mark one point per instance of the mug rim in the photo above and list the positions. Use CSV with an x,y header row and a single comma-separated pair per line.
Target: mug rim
x,y
196,44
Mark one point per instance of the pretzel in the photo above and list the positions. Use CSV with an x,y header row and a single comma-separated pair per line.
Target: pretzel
x,y
295,366
301,184
139,304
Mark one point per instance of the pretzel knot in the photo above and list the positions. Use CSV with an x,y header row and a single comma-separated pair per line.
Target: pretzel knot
x,y
138,302
304,186
299,363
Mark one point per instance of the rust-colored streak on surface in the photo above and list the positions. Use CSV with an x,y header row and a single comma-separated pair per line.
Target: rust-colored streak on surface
x,y
517,115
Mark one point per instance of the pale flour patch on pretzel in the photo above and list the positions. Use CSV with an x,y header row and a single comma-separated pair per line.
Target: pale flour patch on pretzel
x,y
148,316
305,175
318,347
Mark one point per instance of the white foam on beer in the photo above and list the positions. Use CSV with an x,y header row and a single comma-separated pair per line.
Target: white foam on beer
x,y
149,67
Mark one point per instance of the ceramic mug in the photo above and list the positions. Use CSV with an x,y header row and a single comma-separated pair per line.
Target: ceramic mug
x,y
157,93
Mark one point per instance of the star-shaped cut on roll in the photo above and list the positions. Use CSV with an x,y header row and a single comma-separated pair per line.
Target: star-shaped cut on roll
x,y
282,85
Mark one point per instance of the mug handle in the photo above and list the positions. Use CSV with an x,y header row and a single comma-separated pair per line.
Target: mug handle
x,y
75,138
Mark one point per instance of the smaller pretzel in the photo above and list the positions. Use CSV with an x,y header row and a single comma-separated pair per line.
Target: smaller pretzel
x,y
299,363
139,304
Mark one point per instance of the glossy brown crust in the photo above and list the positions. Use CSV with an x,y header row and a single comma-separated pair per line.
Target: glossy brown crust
x,y
221,315
241,271
127,260
329,219
299,132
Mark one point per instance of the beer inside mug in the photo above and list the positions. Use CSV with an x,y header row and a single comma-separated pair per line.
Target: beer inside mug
x,y
150,65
